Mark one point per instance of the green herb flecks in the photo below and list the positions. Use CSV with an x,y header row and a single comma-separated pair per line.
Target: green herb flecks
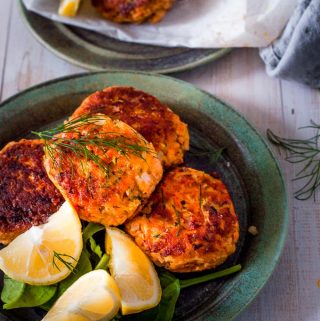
x,y
178,220
63,258
204,149
82,146
305,152
156,235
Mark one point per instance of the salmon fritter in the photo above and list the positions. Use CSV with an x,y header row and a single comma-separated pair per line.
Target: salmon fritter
x,y
104,168
147,115
133,11
189,224
27,196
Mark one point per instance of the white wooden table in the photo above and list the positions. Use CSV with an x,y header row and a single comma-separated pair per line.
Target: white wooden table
x,y
293,292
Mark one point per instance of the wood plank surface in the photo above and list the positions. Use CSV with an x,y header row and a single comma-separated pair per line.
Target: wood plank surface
x,y
5,15
293,292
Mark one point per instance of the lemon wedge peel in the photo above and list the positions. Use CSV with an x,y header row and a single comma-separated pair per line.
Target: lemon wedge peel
x,y
134,273
68,8
94,296
39,255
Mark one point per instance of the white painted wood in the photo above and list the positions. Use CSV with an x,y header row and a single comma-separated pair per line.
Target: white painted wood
x,y
27,62
293,292
5,15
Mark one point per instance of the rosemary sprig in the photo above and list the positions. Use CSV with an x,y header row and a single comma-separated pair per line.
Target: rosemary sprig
x,y
81,145
61,257
305,152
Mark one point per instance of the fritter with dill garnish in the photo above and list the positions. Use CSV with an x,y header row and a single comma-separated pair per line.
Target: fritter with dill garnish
x,y
147,115
27,196
102,166
189,223
133,11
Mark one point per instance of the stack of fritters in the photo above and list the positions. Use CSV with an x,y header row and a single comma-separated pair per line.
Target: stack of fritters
x,y
127,137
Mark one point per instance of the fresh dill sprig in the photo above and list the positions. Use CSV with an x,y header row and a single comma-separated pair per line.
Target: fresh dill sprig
x,y
63,259
305,152
178,220
82,146
207,150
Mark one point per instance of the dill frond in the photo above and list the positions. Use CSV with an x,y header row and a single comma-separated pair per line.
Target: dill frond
x,y
206,150
63,259
82,145
305,152
178,220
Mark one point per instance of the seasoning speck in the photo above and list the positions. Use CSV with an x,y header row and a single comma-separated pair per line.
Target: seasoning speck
x,y
253,230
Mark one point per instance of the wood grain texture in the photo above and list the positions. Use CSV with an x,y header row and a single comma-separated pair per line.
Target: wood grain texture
x,y
5,15
27,62
293,292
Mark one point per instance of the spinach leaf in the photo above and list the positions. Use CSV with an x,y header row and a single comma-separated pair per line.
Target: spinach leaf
x,y
12,290
103,263
32,296
166,278
83,267
171,287
165,309
168,301
92,246
90,230
212,276
95,248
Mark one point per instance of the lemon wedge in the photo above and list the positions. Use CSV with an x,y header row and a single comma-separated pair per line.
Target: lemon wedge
x,y
94,296
134,273
68,8
47,253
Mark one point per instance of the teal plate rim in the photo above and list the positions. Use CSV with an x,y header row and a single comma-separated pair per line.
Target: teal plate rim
x,y
64,43
245,286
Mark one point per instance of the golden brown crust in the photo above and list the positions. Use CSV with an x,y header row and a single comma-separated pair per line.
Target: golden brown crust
x,y
133,11
107,198
147,115
189,223
27,196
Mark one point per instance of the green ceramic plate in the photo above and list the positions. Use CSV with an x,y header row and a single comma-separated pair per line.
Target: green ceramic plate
x,y
247,167
96,52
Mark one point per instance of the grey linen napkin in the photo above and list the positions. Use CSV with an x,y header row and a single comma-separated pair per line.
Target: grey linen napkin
x,y
296,54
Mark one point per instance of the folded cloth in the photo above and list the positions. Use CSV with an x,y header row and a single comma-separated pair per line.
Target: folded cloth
x,y
296,54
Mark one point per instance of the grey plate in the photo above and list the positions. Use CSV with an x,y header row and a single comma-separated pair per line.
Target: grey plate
x,y
247,167
96,52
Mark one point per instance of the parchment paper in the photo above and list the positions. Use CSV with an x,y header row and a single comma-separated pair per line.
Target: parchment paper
x,y
190,23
